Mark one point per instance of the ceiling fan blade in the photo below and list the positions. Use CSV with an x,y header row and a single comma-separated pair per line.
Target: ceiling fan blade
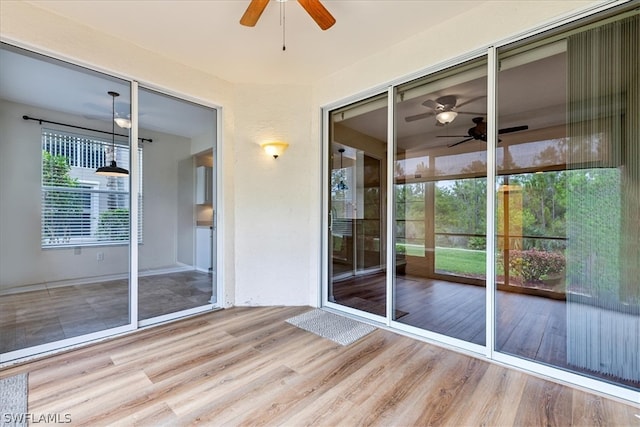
x,y
462,104
459,142
430,103
513,129
253,12
319,13
418,116
469,112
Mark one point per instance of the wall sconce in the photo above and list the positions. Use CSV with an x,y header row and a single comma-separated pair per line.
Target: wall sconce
x,y
274,148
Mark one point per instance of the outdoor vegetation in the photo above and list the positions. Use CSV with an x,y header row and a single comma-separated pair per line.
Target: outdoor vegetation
x,y
537,251
61,207
547,211
64,203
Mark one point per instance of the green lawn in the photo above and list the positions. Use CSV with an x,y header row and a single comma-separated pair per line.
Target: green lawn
x,y
452,260
461,261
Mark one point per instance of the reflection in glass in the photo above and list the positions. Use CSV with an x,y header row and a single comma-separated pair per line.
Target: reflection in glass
x,y
357,186
568,202
440,203
177,259
64,231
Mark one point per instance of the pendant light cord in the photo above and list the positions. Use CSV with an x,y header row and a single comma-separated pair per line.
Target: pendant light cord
x,y
113,125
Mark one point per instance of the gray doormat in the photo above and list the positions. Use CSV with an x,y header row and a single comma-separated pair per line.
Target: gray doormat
x,y
13,400
339,329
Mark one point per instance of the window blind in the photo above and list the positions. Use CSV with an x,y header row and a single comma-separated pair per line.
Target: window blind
x,y
80,208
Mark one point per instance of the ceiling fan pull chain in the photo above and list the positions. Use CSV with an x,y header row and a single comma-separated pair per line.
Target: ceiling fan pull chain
x,y
282,22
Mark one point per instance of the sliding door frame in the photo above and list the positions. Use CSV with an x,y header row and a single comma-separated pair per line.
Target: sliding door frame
x,y
488,351
40,350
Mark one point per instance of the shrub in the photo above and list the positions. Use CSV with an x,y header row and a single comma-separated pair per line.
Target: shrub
x,y
479,243
113,225
533,265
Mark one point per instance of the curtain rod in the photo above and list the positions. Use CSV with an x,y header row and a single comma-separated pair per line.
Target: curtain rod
x,y
83,128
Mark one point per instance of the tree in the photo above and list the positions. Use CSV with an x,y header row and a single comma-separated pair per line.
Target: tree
x,y
60,206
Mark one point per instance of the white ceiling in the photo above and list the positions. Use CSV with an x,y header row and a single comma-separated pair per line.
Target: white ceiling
x,y
207,35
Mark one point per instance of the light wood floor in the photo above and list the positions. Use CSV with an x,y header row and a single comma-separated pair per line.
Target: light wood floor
x,y
532,327
246,366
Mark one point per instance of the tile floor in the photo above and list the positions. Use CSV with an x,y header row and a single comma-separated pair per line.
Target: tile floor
x,y
39,317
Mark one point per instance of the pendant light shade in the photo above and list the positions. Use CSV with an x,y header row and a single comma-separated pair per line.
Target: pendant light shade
x,y
113,169
341,184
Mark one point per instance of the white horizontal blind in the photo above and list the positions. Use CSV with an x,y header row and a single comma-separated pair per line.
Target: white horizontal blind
x,y
80,208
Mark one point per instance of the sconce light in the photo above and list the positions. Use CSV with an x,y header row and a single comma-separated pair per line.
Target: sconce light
x,y
274,148
446,117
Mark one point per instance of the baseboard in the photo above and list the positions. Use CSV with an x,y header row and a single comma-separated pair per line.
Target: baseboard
x,y
91,280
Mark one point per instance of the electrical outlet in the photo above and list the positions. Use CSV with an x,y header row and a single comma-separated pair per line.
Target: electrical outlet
x,y
100,256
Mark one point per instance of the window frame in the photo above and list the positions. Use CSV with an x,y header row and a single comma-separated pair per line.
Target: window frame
x,y
88,185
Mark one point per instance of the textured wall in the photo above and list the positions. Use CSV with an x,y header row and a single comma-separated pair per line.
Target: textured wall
x,y
274,197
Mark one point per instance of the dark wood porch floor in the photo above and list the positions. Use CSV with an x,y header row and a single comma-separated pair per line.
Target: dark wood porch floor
x,y
528,326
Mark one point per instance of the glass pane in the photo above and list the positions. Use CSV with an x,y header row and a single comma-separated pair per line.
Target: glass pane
x,y
440,202
177,258
64,230
568,202
357,187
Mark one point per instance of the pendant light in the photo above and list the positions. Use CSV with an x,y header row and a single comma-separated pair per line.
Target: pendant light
x,y
113,169
341,184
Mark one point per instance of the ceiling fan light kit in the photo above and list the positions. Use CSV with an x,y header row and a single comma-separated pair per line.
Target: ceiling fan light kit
x,y
446,117
123,122
445,108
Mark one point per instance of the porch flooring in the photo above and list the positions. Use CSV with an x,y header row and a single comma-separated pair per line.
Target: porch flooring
x,y
246,366
527,326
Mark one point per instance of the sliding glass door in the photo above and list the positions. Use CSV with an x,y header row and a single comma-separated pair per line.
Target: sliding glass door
x,y
357,178
107,220
568,197
439,192
511,215
64,228
177,257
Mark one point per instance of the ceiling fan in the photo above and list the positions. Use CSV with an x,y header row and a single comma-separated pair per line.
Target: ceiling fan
x,y
479,132
444,108
314,8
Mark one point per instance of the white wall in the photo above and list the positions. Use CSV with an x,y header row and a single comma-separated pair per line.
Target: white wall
x,y
161,188
275,197
23,261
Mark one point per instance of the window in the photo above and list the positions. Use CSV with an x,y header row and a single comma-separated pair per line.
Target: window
x,y
80,208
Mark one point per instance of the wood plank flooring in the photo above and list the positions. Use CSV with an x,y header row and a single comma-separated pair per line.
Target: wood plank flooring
x,y
526,327
532,327
247,366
